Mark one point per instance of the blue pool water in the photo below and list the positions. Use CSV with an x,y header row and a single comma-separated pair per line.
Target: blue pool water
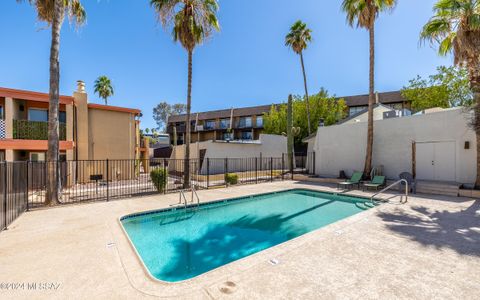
x,y
181,244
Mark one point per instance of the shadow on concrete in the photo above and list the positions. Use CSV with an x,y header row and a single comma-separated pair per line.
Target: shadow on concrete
x,y
458,231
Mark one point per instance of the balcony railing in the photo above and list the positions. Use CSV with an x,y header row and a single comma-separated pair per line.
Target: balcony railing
x,y
35,130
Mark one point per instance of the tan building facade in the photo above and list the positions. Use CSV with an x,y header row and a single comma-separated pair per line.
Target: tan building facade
x,y
87,131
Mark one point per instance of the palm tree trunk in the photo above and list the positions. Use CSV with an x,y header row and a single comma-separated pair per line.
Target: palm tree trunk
x,y
371,101
307,103
53,170
186,163
475,87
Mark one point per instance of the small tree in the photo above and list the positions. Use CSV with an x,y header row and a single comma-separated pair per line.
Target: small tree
x,y
103,87
450,87
164,110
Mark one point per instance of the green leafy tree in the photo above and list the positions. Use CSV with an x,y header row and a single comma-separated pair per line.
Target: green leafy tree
x,y
322,106
298,39
53,13
103,87
363,14
163,110
455,27
450,87
193,21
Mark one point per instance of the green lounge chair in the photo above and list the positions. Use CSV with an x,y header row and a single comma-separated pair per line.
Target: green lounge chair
x,y
354,180
377,181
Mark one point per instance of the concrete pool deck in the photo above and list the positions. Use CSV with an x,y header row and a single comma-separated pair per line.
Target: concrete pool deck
x,y
427,248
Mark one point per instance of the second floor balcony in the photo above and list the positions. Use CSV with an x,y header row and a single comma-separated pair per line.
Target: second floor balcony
x,y
35,130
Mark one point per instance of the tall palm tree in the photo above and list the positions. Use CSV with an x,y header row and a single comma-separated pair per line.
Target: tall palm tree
x,y
298,39
103,87
193,21
455,27
53,13
363,14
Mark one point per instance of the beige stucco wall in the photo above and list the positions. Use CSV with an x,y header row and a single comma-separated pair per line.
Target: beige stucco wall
x,y
111,134
342,147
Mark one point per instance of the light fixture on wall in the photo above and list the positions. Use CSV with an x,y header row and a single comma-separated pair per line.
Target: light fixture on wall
x,y
467,145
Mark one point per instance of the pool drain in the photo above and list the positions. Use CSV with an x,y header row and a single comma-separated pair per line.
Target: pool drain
x,y
274,261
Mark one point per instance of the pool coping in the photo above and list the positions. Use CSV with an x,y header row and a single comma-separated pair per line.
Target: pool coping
x,y
240,265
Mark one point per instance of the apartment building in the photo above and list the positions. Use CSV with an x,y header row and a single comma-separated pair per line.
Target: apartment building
x,y
247,123
228,124
88,131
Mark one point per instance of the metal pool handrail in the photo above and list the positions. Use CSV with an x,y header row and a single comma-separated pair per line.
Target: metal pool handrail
x,y
391,186
182,195
194,192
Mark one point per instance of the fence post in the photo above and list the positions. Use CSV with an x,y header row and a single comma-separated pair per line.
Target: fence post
x,y
292,157
271,169
5,187
256,169
28,181
165,183
108,191
283,165
208,172
313,167
226,171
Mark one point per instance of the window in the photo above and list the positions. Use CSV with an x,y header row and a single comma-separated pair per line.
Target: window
x,y
224,123
259,121
62,117
227,136
356,109
209,124
245,122
39,115
37,156
1,112
247,135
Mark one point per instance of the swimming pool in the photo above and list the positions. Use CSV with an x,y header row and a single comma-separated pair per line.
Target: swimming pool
x,y
180,244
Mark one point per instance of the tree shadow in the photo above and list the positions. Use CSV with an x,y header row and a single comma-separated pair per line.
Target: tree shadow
x,y
224,243
458,231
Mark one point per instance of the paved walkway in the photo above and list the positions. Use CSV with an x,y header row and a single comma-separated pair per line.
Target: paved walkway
x,y
428,248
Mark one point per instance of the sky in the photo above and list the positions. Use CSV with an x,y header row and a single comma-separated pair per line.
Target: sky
x,y
245,64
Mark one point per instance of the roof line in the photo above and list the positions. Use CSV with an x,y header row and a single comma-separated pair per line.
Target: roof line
x,y
114,108
31,95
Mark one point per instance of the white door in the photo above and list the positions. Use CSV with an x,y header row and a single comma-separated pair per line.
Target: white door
x,y
425,161
435,161
445,161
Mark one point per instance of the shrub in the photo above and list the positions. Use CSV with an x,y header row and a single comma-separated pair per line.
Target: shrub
x,y
231,178
159,178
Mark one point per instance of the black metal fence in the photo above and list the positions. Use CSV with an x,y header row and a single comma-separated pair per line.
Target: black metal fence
x,y
23,184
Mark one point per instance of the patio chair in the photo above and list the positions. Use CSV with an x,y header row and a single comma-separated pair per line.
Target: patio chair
x,y
354,180
412,184
377,181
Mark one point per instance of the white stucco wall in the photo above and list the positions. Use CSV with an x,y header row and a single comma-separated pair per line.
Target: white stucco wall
x,y
342,147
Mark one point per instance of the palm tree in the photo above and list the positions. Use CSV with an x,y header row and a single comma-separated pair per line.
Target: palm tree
x,y
455,26
363,13
298,39
53,13
193,21
103,87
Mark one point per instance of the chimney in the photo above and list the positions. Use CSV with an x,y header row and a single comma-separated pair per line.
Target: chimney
x,y
80,86
376,98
